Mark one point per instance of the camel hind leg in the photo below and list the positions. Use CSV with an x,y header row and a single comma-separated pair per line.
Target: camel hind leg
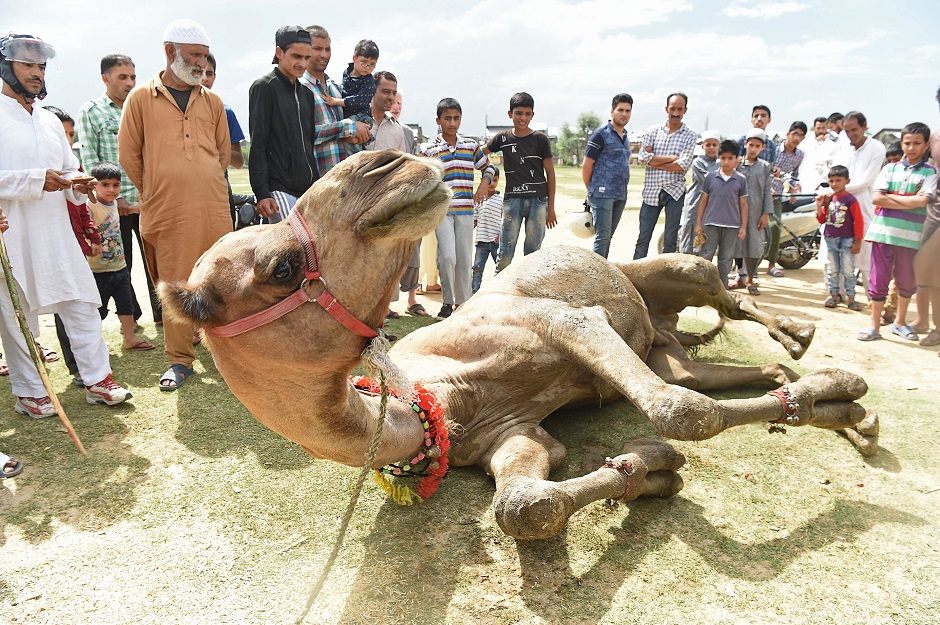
x,y
669,283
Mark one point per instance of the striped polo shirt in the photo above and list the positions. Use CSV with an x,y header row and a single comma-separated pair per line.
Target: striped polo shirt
x,y
902,227
459,162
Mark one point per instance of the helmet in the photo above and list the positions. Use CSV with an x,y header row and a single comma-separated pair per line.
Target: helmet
x,y
582,224
25,49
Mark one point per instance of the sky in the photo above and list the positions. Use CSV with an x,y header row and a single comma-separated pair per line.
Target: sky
x,y
801,58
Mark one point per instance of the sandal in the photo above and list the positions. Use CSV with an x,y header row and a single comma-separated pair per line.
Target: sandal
x,y
868,335
177,374
905,332
418,311
4,369
140,346
775,272
855,306
753,290
932,338
48,355
833,300
736,284
392,314
9,466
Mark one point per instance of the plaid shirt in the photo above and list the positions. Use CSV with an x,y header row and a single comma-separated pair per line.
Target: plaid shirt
x,y
788,163
328,148
681,143
97,130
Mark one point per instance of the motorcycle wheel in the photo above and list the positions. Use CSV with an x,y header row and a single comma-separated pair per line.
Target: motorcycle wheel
x,y
790,257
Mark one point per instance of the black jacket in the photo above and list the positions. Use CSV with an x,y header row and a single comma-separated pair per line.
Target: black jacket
x,y
280,124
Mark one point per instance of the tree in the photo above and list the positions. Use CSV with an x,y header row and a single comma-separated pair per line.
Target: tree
x,y
572,141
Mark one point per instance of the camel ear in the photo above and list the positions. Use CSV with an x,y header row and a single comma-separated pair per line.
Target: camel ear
x,y
198,306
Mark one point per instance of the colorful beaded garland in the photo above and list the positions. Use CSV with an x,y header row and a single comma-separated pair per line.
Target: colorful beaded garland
x,y
423,464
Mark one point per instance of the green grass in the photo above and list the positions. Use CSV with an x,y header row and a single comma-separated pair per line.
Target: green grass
x,y
189,511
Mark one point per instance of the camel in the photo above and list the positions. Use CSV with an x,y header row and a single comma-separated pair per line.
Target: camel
x,y
558,328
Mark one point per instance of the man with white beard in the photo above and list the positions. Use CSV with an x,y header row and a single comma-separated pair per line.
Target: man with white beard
x,y
174,146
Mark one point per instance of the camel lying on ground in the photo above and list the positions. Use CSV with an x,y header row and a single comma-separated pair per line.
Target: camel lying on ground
x,y
557,328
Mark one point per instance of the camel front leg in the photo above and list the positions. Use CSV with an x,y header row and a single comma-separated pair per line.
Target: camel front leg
x,y
529,506
673,365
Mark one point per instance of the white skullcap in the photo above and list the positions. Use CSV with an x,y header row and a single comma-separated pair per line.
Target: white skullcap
x,y
186,31
711,134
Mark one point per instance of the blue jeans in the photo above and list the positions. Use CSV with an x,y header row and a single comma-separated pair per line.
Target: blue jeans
x,y
649,215
484,251
841,263
607,213
534,211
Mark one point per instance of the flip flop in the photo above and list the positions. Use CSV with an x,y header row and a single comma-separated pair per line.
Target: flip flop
x,y
48,355
932,338
5,462
4,369
418,311
905,332
775,272
143,346
392,315
177,374
868,335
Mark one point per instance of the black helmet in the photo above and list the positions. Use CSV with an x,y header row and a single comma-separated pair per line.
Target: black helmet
x,y
25,49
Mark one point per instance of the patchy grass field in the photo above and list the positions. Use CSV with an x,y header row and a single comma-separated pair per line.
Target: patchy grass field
x,y
188,511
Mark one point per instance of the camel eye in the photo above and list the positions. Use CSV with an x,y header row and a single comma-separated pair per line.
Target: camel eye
x,y
282,271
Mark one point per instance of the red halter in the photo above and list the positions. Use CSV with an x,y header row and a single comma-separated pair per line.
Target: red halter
x,y
299,297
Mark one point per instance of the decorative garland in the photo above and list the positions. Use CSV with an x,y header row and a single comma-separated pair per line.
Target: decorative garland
x,y
431,460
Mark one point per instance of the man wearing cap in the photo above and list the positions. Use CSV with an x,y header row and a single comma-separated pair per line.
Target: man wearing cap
x,y
281,161
174,146
50,271
703,165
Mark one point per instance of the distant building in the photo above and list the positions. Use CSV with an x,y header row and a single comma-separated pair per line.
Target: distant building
x,y
888,136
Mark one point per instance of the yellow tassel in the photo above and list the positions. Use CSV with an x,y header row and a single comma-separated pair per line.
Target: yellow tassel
x,y
400,494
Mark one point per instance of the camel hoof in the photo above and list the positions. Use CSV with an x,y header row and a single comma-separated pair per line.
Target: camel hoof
x,y
662,484
869,425
529,509
866,445
656,455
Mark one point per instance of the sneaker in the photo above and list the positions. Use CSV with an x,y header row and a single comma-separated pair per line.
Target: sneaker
x,y
107,392
446,311
35,407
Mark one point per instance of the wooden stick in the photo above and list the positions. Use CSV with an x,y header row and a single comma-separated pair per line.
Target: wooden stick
x,y
33,349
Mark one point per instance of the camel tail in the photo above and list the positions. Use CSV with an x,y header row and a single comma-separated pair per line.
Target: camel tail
x,y
693,341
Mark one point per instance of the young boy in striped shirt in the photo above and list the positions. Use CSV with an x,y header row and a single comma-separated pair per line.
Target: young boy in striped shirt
x,y
488,220
460,156
902,192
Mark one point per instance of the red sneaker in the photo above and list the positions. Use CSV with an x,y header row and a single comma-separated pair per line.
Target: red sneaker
x,y
35,407
107,392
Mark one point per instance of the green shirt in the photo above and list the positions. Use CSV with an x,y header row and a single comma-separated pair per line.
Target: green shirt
x,y
97,133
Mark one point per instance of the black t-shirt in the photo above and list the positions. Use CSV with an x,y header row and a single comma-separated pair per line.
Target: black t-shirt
x,y
181,97
523,162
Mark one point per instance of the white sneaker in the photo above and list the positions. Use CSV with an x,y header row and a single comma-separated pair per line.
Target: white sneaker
x,y
35,407
107,392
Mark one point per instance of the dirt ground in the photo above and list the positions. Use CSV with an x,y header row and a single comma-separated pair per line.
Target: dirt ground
x,y
891,362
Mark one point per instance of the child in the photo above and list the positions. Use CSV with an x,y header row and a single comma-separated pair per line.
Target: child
x,y
703,165
893,153
487,219
722,211
108,266
902,192
760,201
460,156
358,87
530,181
844,229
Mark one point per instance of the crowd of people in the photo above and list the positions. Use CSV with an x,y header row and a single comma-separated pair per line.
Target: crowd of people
x,y
154,162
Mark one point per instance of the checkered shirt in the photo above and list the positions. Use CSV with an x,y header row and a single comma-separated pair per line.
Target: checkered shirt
x,y
97,130
788,163
664,143
328,147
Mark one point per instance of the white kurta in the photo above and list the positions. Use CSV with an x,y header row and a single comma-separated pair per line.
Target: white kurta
x,y
47,261
864,164
814,168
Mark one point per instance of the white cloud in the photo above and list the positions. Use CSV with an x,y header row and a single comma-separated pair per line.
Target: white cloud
x,y
765,10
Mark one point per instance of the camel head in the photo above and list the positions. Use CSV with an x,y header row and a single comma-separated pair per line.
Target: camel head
x,y
365,215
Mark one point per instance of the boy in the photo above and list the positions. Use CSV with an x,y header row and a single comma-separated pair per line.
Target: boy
x,y
893,153
757,172
358,87
844,229
722,211
487,219
703,165
530,181
786,164
460,156
108,266
902,192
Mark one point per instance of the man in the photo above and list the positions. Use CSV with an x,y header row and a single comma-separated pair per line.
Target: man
x,y
388,134
835,125
863,157
786,165
49,269
817,159
667,153
333,131
98,123
395,111
606,172
174,146
281,164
